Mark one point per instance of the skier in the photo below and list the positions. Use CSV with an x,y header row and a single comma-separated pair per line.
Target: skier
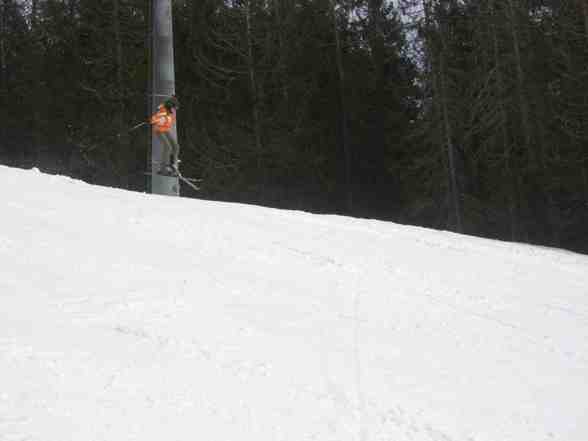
x,y
162,122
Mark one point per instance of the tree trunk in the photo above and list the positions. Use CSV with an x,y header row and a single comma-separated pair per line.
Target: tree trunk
x,y
585,11
454,185
253,85
119,99
377,46
455,192
255,98
433,78
536,154
118,49
343,109
37,88
3,66
520,75
522,102
279,11
506,147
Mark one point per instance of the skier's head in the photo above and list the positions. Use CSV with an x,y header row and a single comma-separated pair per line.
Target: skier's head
x,y
171,103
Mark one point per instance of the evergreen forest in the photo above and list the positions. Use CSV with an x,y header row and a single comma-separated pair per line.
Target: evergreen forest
x,y
463,115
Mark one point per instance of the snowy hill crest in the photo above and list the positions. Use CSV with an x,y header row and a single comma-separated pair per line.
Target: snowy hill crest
x,y
126,316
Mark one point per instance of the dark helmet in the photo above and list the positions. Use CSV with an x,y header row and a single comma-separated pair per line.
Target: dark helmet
x,y
172,103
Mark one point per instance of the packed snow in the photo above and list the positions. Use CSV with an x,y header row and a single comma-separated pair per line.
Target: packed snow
x,y
128,316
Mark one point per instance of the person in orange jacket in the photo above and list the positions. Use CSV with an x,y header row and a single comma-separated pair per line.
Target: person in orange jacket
x,y
162,122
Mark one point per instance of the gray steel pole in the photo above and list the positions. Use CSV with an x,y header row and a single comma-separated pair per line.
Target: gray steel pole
x,y
163,86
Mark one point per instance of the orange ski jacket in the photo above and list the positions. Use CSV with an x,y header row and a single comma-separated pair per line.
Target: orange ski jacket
x,y
163,120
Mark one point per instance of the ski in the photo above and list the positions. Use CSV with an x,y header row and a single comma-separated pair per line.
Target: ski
x,y
188,181
191,182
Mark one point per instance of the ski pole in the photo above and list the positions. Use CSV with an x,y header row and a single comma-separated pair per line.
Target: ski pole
x,y
132,129
137,126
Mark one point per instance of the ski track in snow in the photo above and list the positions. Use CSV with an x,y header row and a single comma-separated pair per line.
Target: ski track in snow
x,y
126,316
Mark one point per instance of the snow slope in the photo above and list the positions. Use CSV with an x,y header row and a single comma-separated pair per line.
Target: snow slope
x,y
126,316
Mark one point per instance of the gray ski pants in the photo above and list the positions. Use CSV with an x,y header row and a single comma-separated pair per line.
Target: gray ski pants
x,y
171,147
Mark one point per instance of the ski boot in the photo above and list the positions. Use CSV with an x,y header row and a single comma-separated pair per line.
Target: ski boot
x,y
168,170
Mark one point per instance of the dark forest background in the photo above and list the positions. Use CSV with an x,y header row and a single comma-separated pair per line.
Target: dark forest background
x,y
467,115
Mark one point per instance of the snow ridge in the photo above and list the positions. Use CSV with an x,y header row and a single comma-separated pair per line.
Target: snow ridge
x,y
127,316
